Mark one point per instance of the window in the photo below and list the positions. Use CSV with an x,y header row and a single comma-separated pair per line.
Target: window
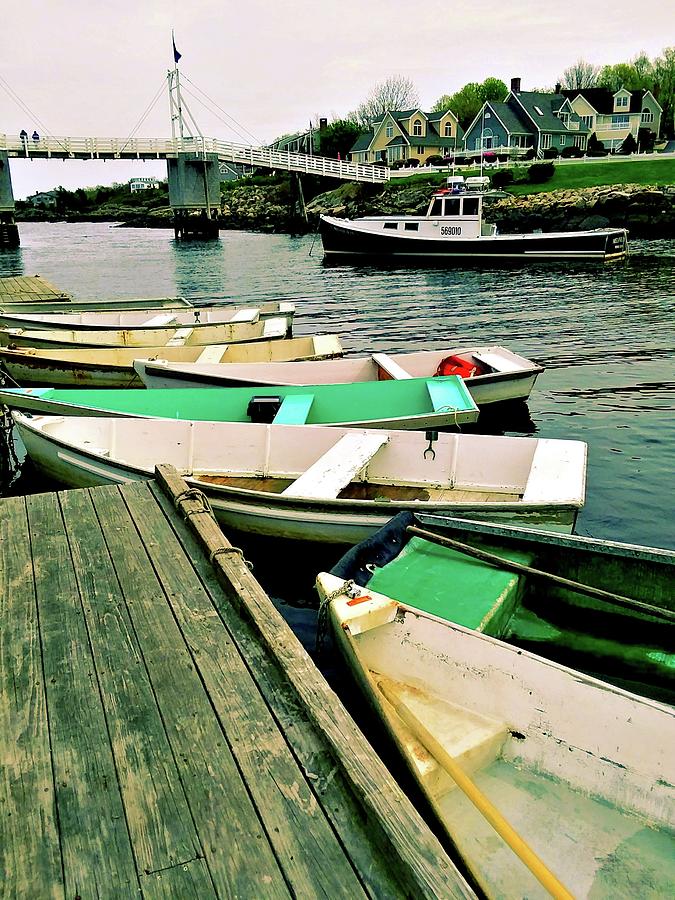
x,y
452,207
565,118
419,149
563,139
647,116
391,225
447,132
417,128
619,122
587,120
390,130
470,206
487,115
412,226
621,102
545,141
436,207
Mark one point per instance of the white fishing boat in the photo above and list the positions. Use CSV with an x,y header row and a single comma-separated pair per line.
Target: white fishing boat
x,y
149,317
241,327
320,484
548,782
114,366
493,374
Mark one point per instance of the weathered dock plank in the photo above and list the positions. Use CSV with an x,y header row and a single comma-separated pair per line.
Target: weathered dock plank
x,y
28,289
95,845
30,854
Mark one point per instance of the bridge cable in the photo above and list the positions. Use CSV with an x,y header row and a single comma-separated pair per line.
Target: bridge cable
x,y
29,112
241,127
238,134
145,114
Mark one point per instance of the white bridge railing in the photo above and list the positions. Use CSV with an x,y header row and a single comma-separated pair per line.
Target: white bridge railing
x,y
166,148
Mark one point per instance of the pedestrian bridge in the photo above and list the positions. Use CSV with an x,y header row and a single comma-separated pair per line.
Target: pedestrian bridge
x,y
168,148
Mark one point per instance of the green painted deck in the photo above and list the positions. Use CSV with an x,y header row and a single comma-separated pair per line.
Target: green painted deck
x,y
162,731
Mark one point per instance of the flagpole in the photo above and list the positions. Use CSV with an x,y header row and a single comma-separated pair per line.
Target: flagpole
x,y
176,78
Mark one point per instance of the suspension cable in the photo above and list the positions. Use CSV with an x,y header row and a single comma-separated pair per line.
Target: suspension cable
x,y
239,126
146,113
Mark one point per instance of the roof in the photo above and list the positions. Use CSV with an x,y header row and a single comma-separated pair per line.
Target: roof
x,y
542,109
511,117
363,141
602,99
431,139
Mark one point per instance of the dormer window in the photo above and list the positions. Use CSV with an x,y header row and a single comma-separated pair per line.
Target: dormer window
x,y
417,128
448,130
390,130
621,102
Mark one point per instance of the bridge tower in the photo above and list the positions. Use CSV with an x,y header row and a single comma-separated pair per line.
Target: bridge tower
x,y
9,231
194,175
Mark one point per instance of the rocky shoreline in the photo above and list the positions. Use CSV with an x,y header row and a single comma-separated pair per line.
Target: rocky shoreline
x,y
647,211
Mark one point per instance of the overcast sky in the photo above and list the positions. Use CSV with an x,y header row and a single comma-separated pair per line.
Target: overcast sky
x,y
91,68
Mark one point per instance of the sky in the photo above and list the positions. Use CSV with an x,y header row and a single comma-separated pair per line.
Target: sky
x,y
92,68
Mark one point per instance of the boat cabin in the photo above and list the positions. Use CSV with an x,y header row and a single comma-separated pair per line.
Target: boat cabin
x,y
458,213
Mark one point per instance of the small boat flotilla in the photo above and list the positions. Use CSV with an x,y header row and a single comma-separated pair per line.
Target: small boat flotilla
x,y
414,403
314,483
548,782
493,374
453,229
114,366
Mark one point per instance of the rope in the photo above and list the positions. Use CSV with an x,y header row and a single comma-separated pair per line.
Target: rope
x,y
199,497
236,550
9,462
322,620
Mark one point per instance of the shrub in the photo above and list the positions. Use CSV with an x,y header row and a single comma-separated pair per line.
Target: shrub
x,y
435,160
538,173
629,145
646,140
571,152
550,153
529,153
413,162
398,164
502,177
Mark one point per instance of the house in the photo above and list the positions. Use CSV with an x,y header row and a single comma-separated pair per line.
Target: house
x,y
307,142
527,120
43,199
143,184
408,134
613,115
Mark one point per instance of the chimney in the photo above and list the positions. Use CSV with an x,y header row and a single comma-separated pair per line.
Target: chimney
x,y
558,87
323,124
515,85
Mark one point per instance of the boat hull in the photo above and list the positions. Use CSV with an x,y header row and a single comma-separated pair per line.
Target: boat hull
x,y
345,238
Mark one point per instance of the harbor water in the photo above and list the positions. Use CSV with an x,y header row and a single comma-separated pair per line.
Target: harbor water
x,y
605,333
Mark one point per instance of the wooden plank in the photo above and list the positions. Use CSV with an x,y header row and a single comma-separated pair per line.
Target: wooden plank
x,y
236,847
246,315
558,471
338,466
212,353
182,882
159,320
307,849
95,844
417,856
332,791
30,855
390,366
162,831
275,328
443,397
179,338
29,288
294,409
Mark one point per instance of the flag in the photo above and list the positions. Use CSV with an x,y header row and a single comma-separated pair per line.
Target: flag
x,y
176,54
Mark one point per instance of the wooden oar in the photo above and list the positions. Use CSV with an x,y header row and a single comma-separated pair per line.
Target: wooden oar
x,y
587,589
487,809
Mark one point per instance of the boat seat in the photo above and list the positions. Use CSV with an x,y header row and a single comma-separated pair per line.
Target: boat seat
x,y
390,366
274,328
180,336
443,395
160,320
294,409
497,363
213,353
246,315
337,467
471,739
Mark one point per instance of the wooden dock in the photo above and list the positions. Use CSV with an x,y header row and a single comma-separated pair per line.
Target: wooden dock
x,y
29,289
162,731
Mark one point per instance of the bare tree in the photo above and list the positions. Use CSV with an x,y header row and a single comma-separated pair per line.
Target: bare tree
x,y
395,92
581,75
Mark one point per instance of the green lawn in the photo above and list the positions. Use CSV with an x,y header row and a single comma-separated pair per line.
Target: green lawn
x,y
568,176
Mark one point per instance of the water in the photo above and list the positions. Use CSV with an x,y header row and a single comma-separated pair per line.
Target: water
x,y
606,335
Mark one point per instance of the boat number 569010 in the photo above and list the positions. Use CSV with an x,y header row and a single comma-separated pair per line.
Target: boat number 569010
x,y
451,229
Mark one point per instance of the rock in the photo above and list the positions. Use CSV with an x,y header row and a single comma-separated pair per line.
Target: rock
x,y
591,222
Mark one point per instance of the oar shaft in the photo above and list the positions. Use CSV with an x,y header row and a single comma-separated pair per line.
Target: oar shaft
x,y
513,566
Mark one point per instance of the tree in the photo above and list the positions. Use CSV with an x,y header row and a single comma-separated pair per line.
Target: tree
x,y
581,75
664,89
338,138
493,89
621,75
467,102
395,92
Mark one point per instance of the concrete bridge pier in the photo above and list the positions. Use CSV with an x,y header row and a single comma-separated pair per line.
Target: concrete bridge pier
x,y
9,231
194,195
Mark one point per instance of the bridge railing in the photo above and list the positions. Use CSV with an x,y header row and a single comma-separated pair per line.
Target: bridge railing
x,y
165,148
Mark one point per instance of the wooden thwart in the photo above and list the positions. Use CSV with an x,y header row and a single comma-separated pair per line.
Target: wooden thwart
x,y
390,366
294,409
335,469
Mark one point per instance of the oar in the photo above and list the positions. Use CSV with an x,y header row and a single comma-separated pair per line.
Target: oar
x,y
495,560
487,809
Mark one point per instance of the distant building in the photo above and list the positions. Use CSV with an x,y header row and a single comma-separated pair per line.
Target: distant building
x,y
306,142
408,134
143,184
613,115
43,199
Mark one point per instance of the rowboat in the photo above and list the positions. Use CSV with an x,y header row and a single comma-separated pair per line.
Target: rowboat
x,y
493,374
603,607
249,328
149,317
66,304
413,403
320,484
114,367
549,782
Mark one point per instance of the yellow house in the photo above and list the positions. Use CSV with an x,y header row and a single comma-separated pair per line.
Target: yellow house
x,y
408,134
613,115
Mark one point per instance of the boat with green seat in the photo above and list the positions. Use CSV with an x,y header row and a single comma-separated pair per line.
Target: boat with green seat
x,y
414,403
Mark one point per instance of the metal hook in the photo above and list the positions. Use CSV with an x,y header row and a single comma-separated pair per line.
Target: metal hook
x,y
431,436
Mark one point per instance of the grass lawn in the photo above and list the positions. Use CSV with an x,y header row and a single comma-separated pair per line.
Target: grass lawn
x,y
568,176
